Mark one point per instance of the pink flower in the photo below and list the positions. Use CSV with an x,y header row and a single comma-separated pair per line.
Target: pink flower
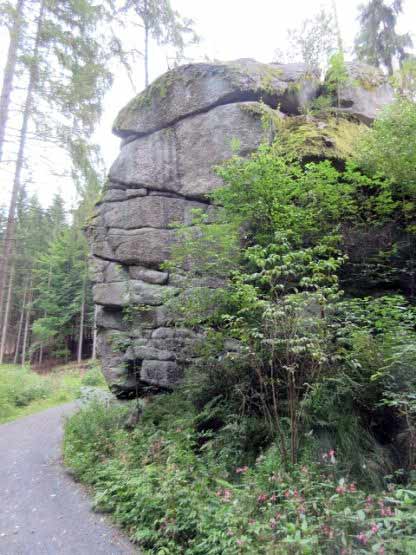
x,y
262,498
224,494
241,469
340,489
240,542
386,511
381,551
287,494
273,523
375,528
352,488
362,538
273,497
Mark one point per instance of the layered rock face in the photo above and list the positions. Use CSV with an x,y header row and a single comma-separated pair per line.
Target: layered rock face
x,y
173,135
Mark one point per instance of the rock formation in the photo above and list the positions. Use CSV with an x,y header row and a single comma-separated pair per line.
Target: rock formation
x,y
173,134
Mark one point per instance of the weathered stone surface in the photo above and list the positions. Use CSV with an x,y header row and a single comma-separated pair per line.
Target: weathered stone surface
x,y
160,373
113,195
115,272
366,93
147,352
175,339
110,318
125,293
112,362
150,276
111,294
197,88
131,193
96,269
182,158
148,318
146,246
150,211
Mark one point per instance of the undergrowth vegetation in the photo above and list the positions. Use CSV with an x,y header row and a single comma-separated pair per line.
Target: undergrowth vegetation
x,y
179,489
23,391
295,428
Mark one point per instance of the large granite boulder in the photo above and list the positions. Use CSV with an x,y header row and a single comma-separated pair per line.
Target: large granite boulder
x,y
181,158
197,88
174,134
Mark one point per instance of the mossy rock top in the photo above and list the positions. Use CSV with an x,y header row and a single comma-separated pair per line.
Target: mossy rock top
x,y
306,137
365,92
196,88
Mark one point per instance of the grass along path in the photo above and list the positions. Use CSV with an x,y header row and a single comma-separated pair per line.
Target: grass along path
x,y
23,391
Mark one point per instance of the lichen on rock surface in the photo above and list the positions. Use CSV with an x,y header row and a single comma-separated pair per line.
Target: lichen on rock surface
x,y
187,122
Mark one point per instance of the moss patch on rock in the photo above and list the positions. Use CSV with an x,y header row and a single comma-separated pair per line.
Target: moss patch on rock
x,y
307,137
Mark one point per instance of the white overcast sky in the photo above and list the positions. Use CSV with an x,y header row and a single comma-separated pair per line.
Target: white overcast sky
x,y
229,29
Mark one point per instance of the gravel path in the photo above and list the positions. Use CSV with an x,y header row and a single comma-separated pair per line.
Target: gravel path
x,y
42,511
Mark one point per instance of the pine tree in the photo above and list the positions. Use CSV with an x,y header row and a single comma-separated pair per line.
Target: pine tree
x,y
68,75
378,42
13,19
160,22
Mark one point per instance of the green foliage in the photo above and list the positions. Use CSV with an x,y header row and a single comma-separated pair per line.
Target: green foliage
x,y
337,76
389,148
175,497
90,440
93,377
60,277
378,42
311,42
18,388
279,246
295,430
23,391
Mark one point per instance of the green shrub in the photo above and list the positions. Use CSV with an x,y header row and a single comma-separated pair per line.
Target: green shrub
x,y
19,386
94,377
175,498
91,437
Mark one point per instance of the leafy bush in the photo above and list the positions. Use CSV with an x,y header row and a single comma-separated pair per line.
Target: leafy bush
x,y
93,377
19,387
23,391
175,498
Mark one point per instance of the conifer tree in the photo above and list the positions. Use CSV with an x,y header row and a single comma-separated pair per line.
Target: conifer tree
x,y
66,60
378,42
160,22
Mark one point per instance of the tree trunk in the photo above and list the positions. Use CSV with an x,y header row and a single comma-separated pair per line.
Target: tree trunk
x,y
146,20
10,226
10,71
81,323
19,331
27,323
94,334
146,55
6,316
337,27
45,313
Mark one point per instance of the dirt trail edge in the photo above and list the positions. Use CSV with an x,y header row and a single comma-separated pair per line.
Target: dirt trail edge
x,y
42,510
